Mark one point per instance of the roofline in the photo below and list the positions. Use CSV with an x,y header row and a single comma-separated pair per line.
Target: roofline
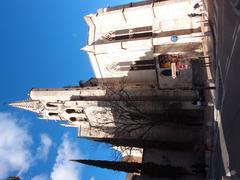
x,y
132,4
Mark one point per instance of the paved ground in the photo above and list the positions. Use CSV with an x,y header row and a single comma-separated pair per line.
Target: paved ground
x,y
224,17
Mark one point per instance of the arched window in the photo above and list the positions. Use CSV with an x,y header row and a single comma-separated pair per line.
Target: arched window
x,y
147,64
125,34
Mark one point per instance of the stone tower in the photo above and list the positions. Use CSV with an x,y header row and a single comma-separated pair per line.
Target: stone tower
x,y
100,111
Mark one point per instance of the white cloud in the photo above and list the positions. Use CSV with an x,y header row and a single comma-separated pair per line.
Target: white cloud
x,y
15,145
92,178
41,177
63,168
43,149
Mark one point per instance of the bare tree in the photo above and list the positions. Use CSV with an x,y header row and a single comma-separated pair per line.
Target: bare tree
x,y
129,113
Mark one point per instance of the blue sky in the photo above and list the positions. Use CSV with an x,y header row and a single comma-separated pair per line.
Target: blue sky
x,y
39,47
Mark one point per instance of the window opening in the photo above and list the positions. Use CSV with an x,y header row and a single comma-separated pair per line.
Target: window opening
x,y
51,105
73,119
53,114
70,111
134,33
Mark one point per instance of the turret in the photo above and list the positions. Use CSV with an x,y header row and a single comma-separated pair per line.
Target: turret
x,y
30,105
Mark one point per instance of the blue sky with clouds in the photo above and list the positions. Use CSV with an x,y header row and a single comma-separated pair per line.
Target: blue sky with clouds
x,y
39,47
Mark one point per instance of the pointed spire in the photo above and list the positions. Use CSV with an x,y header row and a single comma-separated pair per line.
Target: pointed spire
x,y
30,105
113,165
148,168
87,48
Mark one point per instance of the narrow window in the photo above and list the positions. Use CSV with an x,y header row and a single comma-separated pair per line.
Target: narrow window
x,y
51,105
70,111
53,114
140,32
132,66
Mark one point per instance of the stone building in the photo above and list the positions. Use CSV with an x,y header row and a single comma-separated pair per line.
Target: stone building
x,y
145,57
102,112
149,42
146,60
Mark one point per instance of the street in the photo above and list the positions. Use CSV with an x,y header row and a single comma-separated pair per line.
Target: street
x,y
224,17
